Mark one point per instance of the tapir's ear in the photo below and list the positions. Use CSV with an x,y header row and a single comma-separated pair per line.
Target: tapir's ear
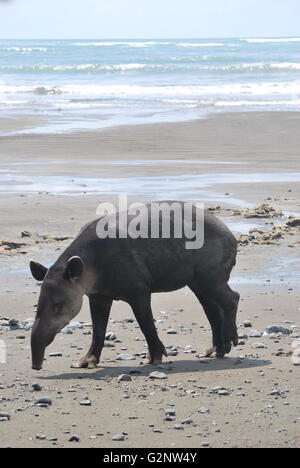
x,y
74,269
38,271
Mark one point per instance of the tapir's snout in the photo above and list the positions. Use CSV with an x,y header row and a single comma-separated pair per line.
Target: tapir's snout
x,y
40,339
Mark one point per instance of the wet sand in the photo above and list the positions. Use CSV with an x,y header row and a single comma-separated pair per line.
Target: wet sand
x,y
50,185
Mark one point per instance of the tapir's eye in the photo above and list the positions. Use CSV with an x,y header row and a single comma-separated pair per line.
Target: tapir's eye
x,y
58,307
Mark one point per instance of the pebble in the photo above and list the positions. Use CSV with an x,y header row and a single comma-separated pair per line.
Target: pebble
x,y
224,392
4,416
119,438
203,410
85,402
170,412
13,323
43,402
125,357
171,331
187,421
259,346
276,392
124,378
254,334
178,427
158,375
278,329
36,387
74,438
247,324
110,336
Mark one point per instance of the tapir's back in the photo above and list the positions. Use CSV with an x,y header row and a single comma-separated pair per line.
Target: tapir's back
x,y
164,257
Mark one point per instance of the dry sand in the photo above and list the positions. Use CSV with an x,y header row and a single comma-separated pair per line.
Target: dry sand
x,y
231,160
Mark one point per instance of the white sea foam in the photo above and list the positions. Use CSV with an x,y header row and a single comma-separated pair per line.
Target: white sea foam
x,y
24,49
200,44
271,40
88,67
253,89
248,67
286,103
120,44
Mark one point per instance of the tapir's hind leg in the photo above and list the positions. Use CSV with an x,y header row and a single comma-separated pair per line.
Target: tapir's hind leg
x,y
229,301
141,307
220,304
215,316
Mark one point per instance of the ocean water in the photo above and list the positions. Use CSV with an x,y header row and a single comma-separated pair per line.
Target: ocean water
x,y
80,84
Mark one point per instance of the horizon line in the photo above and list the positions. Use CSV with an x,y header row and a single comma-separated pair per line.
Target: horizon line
x,y
142,38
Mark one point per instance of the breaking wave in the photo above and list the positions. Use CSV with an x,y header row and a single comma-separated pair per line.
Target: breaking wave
x,y
271,40
250,89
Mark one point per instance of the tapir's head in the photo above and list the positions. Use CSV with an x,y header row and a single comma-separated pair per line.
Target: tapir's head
x,y
60,301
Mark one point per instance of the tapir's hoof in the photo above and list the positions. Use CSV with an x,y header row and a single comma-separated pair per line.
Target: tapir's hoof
x,y
210,353
156,359
86,363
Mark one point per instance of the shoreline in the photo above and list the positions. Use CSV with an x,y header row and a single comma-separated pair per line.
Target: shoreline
x,y
21,124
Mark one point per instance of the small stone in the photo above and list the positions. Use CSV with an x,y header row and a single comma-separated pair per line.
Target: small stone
x,y
254,334
247,324
4,416
259,346
25,234
170,412
178,427
56,354
119,438
125,357
278,329
224,393
169,418
124,378
203,410
14,324
74,438
187,421
36,387
85,402
171,331
110,336
43,402
158,375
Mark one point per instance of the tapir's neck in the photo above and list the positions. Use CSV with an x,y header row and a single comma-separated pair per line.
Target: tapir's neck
x,y
90,277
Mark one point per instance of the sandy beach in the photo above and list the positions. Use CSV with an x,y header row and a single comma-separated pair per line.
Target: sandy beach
x,y
51,185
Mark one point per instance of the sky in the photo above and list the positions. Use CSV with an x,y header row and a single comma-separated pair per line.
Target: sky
x,y
63,19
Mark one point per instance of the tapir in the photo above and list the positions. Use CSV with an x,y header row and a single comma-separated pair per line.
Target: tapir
x,y
130,269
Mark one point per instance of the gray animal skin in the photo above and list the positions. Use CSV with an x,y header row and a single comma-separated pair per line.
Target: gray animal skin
x,y
131,270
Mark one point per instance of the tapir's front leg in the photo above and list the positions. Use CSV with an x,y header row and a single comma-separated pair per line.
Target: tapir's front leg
x,y
100,309
141,307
